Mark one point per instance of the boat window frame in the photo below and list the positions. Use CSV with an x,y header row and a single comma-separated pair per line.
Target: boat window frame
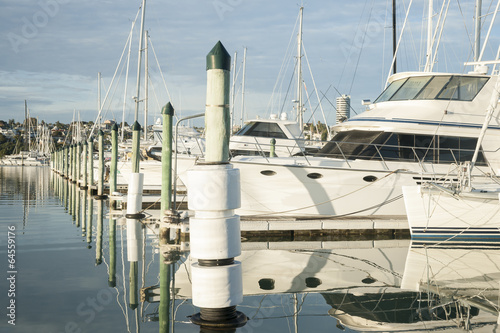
x,y
479,85
381,145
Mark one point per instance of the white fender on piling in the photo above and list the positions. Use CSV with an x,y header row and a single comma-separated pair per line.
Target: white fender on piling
x,y
213,188
217,286
134,195
215,238
134,250
134,205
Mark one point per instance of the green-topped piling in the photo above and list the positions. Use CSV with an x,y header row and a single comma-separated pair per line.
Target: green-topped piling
x,y
136,131
272,150
85,175
78,163
73,163
100,182
114,162
166,159
213,195
217,117
90,161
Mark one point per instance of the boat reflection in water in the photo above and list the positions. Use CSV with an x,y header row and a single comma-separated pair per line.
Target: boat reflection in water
x,y
442,288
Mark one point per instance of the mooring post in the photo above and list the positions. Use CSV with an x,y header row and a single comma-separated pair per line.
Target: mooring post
x,y
213,195
71,162
114,163
85,164
272,152
90,163
100,182
136,132
166,159
134,214
78,163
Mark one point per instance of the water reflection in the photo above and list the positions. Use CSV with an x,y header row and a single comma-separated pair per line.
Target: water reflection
x,y
140,280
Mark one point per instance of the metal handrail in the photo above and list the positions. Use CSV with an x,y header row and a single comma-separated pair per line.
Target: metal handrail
x,y
175,156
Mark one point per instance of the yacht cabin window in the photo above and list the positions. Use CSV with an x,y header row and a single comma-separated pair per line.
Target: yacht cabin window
x,y
371,145
262,129
441,87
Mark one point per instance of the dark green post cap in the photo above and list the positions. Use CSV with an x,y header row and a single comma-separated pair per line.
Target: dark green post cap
x,y
168,109
136,126
85,143
114,127
218,58
101,133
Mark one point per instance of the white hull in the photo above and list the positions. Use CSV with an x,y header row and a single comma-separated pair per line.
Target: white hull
x,y
152,171
362,188
435,215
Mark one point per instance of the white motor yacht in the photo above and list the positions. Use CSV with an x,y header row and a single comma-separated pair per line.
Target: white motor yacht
x,y
419,129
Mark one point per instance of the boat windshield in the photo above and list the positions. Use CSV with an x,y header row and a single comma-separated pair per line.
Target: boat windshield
x,y
262,129
440,87
387,146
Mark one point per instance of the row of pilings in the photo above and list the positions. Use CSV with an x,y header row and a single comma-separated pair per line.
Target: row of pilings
x,y
214,230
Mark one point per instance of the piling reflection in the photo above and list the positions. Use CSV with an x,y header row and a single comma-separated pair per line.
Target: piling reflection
x,y
90,213
98,241
112,251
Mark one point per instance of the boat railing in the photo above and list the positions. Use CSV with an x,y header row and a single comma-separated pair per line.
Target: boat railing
x,y
350,151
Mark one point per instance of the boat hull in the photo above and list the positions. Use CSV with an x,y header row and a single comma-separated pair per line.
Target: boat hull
x,y
437,216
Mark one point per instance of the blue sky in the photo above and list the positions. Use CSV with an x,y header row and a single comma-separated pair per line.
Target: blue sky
x,y
52,50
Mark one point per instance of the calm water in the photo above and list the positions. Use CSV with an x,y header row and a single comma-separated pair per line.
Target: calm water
x,y
70,273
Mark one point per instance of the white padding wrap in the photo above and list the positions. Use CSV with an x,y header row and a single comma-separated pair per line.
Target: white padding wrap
x,y
213,188
134,193
217,287
215,238
134,250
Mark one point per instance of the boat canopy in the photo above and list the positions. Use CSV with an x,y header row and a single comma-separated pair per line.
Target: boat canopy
x,y
428,87
387,146
262,129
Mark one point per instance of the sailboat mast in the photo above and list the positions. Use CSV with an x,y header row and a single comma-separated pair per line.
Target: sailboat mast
x,y
428,56
25,121
126,81
139,61
233,90
477,28
146,83
394,41
243,87
299,73
99,96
